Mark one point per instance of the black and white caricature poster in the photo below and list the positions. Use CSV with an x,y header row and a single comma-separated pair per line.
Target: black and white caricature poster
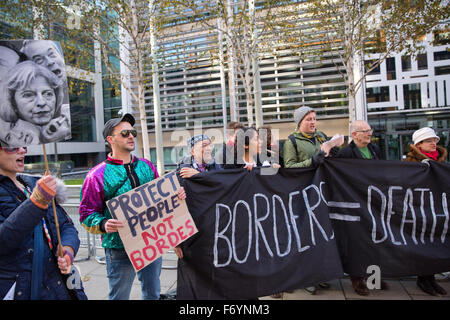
x,y
34,99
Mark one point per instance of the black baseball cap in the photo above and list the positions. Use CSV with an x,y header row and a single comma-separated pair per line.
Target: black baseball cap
x,y
112,123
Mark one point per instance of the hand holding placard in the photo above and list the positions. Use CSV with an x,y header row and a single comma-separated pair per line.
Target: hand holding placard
x,y
155,219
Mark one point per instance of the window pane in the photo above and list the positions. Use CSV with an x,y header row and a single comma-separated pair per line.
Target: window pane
x,y
390,69
406,63
378,94
411,94
422,63
441,55
439,71
82,110
369,64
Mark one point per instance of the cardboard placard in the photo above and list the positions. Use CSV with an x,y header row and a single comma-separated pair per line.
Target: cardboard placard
x,y
34,104
155,219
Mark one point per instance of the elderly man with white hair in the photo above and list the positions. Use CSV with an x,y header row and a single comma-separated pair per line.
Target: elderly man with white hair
x,y
361,146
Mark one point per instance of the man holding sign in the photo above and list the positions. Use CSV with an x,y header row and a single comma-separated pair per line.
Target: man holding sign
x,y
118,174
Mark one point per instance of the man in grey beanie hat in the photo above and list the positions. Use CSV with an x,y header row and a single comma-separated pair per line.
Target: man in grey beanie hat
x,y
303,146
303,149
300,113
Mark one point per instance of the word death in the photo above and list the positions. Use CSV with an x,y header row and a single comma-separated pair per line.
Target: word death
x,y
418,210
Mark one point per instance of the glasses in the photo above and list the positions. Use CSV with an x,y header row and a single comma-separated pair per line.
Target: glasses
x,y
432,140
365,131
126,133
11,150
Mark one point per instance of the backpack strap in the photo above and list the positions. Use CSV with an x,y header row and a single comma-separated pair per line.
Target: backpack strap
x,y
294,144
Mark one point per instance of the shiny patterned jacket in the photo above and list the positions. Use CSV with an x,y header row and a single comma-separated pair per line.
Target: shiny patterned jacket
x,y
105,181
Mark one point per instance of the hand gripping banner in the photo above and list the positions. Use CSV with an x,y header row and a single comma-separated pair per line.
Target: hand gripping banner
x,y
262,234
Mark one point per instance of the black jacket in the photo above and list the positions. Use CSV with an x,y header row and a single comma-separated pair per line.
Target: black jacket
x,y
352,151
188,162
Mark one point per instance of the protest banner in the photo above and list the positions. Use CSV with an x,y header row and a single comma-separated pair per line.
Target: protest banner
x,y
155,219
34,104
262,234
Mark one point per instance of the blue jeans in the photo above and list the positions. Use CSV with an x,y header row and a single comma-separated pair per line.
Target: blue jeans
x,y
121,275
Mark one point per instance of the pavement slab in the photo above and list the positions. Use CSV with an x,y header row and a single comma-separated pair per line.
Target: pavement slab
x,y
96,285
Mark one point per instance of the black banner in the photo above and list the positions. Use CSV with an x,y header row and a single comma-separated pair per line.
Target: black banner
x,y
261,234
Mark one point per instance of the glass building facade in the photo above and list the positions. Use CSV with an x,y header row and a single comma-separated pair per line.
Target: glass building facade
x,y
403,94
409,93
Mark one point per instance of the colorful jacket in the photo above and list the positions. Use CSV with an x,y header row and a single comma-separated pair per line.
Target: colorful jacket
x,y
105,181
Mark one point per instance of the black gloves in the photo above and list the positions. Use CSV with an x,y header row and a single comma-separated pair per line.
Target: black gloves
x,y
334,152
318,158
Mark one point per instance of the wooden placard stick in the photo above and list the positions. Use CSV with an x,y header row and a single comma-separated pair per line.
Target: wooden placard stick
x,y
58,234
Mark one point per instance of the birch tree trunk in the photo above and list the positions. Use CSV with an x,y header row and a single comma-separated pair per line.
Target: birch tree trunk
x,y
255,67
156,98
140,82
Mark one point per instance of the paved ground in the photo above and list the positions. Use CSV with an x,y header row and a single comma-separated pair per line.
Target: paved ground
x,y
96,284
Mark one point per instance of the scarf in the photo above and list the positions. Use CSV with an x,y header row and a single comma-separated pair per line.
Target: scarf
x,y
199,167
432,155
315,135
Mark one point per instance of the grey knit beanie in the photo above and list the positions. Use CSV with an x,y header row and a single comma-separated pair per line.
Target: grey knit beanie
x,y
300,113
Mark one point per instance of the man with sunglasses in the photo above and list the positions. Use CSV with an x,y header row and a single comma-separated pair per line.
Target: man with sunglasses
x,y
119,173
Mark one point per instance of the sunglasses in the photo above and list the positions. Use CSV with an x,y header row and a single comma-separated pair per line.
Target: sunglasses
x,y
11,150
126,133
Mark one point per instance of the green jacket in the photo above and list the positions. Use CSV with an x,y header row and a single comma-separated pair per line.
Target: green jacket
x,y
306,149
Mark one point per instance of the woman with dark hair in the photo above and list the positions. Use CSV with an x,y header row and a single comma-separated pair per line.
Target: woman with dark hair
x,y
270,150
34,103
246,149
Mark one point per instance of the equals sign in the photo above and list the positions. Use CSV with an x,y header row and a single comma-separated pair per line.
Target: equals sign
x,y
346,205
